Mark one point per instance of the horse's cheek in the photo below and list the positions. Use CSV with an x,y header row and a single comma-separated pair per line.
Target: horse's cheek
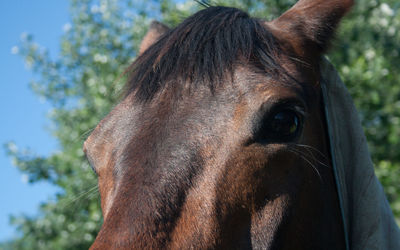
x,y
259,174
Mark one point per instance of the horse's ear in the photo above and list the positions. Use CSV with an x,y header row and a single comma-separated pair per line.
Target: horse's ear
x,y
309,25
153,34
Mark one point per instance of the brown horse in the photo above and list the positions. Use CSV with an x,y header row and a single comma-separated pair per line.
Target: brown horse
x,y
220,140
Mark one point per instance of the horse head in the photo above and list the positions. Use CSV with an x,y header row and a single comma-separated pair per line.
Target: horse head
x,y
220,140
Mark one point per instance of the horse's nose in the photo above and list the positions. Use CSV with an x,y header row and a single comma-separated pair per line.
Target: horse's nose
x,y
86,151
84,147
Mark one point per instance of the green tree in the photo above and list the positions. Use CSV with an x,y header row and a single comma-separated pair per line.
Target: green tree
x,y
84,82
82,85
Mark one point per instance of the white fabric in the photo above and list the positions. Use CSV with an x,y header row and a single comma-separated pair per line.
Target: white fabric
x,y
368,219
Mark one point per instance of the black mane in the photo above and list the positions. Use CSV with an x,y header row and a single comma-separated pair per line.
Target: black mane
x,y
202,49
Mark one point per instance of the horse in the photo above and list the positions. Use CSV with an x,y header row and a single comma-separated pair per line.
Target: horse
x,y
220,140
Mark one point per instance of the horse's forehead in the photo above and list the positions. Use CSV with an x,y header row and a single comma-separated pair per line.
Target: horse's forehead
x,y
167,121
229,103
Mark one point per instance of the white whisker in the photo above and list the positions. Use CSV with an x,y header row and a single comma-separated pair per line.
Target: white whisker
x,y
308,161
86,193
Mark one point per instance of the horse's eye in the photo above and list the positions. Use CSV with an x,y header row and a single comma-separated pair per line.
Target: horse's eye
x,y
282,126
285,124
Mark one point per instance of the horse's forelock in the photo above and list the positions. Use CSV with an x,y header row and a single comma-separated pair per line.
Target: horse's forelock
x,y
202,50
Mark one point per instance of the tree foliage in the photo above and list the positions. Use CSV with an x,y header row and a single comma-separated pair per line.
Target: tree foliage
x,y
83,83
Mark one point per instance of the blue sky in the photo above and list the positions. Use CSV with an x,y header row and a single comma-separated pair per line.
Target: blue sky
x,y
22,114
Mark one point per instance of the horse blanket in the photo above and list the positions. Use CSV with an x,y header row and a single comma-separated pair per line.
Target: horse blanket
x,y
367,217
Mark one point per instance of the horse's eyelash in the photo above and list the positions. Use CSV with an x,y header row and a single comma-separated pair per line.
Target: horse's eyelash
x,y
301,111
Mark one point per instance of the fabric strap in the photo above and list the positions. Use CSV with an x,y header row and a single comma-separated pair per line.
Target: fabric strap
x,y
367,218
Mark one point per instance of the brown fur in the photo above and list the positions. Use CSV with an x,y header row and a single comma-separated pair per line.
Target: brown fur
x,y
153,34
189,172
